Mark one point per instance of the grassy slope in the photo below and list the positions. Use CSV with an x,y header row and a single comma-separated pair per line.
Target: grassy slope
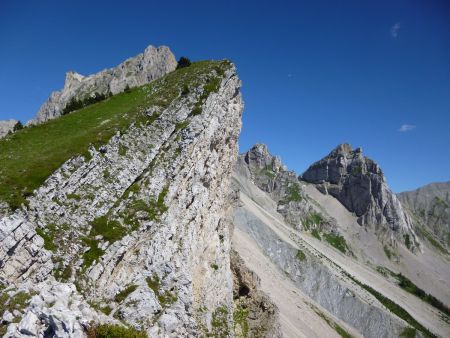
x,y
31,155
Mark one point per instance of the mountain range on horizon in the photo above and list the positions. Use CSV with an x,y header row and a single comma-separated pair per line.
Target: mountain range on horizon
x,y
127,211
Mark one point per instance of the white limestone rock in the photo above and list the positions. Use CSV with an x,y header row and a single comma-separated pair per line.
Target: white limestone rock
x,y
7,126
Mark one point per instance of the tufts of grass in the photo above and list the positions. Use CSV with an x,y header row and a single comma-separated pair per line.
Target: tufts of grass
x,y
300,255
48,235
240,315
93,254
293,193
113,331
388,252
337,241
120,297
313,219
165,298
219,322
110,230
17,302
408,332
316,234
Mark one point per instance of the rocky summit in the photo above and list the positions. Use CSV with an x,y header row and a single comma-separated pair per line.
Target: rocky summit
x,y
126,211
136,71
359,184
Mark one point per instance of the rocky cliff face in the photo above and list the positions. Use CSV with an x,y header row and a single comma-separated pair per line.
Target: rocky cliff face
x,y
430,206
136,71
359,184
269,174
136,232
7,126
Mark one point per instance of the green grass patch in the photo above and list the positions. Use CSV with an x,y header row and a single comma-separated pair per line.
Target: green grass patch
x,y
240,316
316,233
389,254
293,193
48,235
215,266
114,331
407,241
110,230
32,154
120,297
74,197
312,220
337,241
300,255
93,254
165,298
17,302
408,332
219,322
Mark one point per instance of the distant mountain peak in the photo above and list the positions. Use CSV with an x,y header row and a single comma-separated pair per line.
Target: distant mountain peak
x,y
359,184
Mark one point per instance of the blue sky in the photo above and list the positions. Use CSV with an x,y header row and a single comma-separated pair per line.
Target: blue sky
x,y
315,74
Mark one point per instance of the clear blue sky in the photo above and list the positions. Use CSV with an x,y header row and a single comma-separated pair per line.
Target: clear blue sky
x,y
315,73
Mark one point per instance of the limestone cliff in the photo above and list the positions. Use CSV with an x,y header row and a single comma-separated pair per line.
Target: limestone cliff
x,y
135,71
135,231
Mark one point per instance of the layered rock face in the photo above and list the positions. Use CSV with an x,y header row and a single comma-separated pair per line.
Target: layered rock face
x,y
430,206
359,184
136,71
7,126
138,232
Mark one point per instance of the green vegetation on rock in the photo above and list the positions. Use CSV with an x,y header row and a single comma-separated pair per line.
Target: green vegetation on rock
x,y
293,192
31,155
240,315
113,331
120,297
408,332
16,302
313,219
337,241
300,255
315,233
219,323
165,298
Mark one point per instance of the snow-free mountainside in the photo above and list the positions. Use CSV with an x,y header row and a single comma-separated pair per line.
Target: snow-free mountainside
x,y
126,211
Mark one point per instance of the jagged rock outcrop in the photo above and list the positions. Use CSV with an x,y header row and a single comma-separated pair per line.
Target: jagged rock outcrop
x,y
359,184
430,206
7,126
138,229
269,174
135,71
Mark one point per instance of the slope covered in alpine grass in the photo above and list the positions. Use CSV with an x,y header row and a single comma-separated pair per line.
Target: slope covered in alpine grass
x,y
31,155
